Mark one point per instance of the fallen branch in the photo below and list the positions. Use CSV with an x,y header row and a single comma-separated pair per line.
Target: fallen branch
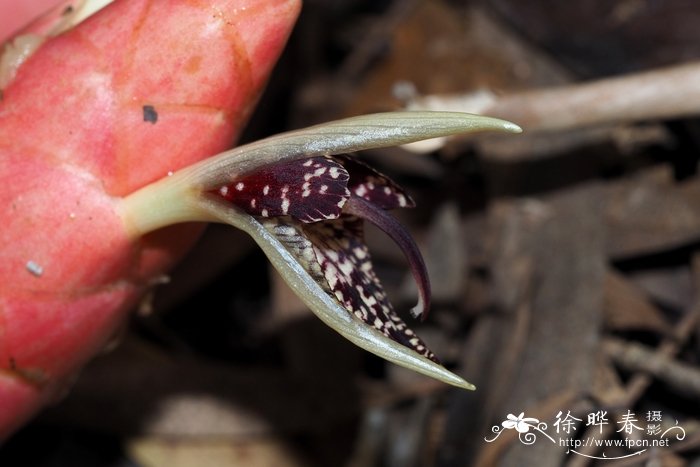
x,y
659,94
639,383
632,356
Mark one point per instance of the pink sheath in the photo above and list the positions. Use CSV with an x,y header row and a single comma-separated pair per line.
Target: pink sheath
x,y
140,89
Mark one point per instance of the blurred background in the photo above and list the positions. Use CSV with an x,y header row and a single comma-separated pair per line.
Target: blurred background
x,y
564,261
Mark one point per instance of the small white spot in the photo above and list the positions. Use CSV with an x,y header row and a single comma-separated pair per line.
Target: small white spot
x,y
264,213
253,203
307,177
71,215
170,173
305,193
360,253
266,190
331,274
285,190
34,268
346,267
308,163
240,186
387,190
319,172
333,255
361,190
285,205
285,230
335,173
324,189
402,201
223,191
309,255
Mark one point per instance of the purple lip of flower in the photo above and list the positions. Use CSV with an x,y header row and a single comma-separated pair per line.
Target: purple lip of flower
x,y
315,207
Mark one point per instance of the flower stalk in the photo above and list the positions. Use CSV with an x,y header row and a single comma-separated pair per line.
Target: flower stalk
x,y
310,226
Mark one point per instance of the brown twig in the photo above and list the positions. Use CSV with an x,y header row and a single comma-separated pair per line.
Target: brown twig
x,y
639,383
670,345
632,356
664,93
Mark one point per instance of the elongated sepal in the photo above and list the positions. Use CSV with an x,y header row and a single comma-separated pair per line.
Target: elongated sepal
x,y
169,200
325,307
338,137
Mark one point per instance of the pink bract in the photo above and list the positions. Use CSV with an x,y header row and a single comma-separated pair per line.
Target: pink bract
x,y
140,89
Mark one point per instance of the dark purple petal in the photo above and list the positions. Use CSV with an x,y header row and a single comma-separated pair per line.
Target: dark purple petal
x,y
335,255
346,265
373,186
309,190
393,228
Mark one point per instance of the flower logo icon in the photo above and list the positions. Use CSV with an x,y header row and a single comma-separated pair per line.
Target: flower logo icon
x,y
520,423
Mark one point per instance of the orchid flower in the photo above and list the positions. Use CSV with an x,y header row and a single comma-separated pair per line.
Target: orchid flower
x,y
303,198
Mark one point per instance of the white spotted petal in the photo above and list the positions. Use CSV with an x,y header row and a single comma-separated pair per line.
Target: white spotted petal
x,y
189,195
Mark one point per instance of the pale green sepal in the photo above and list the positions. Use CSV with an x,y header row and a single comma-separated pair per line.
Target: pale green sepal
x,y
338,137
323,305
